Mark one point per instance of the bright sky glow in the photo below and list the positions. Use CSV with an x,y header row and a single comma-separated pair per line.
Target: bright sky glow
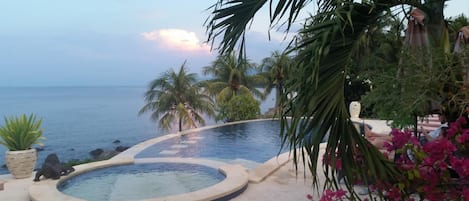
x,y
177,39
117,42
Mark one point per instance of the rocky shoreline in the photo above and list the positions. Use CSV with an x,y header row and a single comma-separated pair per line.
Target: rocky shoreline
x,y
97,154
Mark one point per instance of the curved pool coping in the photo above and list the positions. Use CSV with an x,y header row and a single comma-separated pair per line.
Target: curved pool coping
x,y
136,149
237,176
236,179
256,175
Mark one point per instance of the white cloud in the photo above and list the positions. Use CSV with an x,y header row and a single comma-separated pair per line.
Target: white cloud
x,y
176,39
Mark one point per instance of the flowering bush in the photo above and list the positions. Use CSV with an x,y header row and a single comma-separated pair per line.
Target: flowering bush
x,y
436,170
329,195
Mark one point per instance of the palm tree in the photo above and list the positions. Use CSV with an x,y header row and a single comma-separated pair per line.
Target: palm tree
x,y
275,69
176,97
231,77
323,60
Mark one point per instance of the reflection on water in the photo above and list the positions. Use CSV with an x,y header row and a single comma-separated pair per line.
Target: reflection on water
x,y
255,141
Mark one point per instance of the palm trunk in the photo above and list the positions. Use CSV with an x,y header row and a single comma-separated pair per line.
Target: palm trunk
x,y
180,124
435,22
278,96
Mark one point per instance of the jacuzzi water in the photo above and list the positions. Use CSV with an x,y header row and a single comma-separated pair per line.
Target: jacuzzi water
x,y
140,181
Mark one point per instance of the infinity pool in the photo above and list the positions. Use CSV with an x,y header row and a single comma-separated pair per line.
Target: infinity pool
x,y
247,143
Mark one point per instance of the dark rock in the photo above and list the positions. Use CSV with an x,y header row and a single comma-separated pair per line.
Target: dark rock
x,y
96,153
116,141
38,149
107,154
52,168
121,148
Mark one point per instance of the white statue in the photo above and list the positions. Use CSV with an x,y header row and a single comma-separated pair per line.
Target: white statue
x,y
354,110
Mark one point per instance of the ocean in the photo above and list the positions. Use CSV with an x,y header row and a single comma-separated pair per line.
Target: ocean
x,y
77,120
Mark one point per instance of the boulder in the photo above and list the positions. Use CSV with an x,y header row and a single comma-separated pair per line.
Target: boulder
x,y
107,154
121,148
96,153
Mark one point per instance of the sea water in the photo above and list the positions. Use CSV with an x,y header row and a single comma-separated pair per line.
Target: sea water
x,y
77,120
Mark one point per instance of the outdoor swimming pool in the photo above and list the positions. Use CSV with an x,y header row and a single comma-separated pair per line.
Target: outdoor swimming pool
x,y
248,143
140,181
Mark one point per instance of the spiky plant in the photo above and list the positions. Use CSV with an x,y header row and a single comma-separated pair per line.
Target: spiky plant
x,y
21,133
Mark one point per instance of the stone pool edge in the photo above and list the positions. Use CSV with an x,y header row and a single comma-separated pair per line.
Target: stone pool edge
x,y
237,176
235,181
46,190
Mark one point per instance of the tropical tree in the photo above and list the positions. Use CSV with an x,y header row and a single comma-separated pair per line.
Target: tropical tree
x,y
241,107
232,77
315,96
176,97
274,68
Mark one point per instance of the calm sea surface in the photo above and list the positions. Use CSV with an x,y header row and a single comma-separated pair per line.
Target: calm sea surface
x,y
77,120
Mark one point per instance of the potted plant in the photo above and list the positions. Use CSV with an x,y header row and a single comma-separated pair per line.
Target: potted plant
x,y
18,135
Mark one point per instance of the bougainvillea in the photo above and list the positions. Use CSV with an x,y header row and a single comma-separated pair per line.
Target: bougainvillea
x,y
436,170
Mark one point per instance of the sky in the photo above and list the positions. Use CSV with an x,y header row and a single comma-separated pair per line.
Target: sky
x,y
117,42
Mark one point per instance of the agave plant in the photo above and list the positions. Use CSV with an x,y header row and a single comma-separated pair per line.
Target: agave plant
x,y
20,133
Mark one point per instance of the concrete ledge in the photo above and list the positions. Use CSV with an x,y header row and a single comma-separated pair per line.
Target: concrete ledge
x,y
236,180
46,190
264,170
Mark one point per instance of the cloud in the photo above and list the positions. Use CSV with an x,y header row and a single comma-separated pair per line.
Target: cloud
x,y
177,39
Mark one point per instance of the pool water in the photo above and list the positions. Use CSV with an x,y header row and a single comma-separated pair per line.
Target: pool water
x,y
140,181
254,142
248,144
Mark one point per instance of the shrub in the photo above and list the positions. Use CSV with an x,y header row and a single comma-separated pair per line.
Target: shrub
x,y
241,107
20,133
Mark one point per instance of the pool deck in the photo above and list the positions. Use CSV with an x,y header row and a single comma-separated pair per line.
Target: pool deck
x,y
274,180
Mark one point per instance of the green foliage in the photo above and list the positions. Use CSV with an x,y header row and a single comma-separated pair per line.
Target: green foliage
x,y
232,77
423,90
239,108
275,70
329,49
75,162
20,133
175,97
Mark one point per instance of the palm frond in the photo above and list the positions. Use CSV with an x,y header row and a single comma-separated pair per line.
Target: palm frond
x,y
230,19
171,96
319,107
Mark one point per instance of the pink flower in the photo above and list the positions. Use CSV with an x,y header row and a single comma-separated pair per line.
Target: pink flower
x,y
461,139
327,159
438,150
309,197
461,166
330,195
394,194
465,194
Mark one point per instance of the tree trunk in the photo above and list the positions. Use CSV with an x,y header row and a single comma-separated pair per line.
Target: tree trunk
x,y
180,124
435,22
